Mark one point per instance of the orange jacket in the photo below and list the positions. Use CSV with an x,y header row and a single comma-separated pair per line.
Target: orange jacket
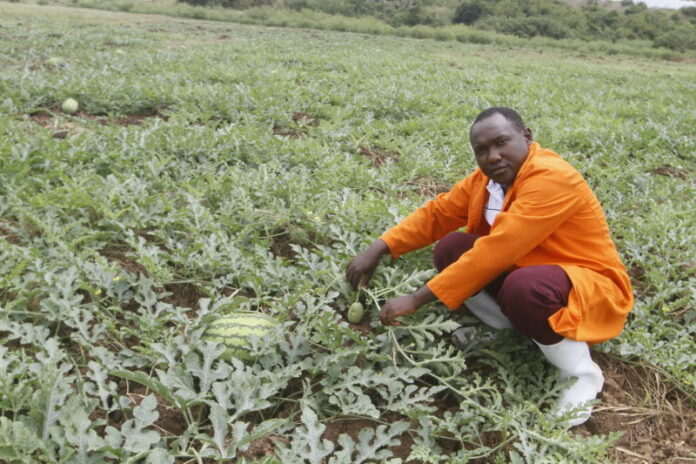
x,y
550,216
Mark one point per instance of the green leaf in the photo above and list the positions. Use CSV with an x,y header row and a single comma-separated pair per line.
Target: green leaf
x,y
136,432
17,442
147,381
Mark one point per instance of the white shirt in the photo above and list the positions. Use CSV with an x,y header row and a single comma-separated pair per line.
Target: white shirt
x,y
495,200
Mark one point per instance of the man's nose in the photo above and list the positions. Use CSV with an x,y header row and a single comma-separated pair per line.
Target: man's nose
x,y
494,155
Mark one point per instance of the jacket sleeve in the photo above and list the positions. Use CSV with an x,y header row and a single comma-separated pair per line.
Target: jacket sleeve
x,y
444,214
544,200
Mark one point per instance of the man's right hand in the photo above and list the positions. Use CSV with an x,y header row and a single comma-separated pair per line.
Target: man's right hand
x,y
360,269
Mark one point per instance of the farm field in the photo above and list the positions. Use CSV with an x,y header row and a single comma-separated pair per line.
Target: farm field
x,y
215,167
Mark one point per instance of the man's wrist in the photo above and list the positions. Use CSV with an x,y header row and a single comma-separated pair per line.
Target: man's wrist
x,y
379,247
423,296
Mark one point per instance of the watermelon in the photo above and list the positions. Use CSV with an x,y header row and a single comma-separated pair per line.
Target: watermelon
x,y
235,332
70,106
355,313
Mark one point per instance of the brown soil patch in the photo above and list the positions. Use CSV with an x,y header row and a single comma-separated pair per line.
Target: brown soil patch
x,y
119,254
282,239
8,234
378,155
304,118
657,418
289,133
42,118
62,129
171,422
670,171
280,245
297,128
637,275
261,448
137,119
363,327
428,186
185,295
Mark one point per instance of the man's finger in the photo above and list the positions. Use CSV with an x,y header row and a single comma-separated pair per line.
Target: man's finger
x,y
352,276
384,316
363,279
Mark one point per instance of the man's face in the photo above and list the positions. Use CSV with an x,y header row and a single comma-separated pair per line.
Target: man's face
x,y
500,148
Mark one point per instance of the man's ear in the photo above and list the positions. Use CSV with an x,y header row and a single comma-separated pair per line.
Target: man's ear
x,y
528,135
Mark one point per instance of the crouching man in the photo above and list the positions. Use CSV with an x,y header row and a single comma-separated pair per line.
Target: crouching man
x,y
536,256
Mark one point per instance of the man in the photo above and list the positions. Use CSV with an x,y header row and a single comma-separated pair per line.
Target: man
x,y
536,256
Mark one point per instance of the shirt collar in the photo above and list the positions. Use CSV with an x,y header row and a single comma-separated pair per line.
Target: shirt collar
x,y
493,187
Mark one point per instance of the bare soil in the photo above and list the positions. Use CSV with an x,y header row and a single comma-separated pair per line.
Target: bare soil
x,y
63,127
119,254
671,171
428,186
7,233
379,155
658,420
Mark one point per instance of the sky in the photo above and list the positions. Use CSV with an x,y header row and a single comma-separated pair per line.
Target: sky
x,y
667,3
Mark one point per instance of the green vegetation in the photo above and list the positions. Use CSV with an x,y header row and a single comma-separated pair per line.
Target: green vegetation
x,y
522,18
215,167
673,44
592,21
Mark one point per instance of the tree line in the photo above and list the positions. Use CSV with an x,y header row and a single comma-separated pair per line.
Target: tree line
x,y
625,20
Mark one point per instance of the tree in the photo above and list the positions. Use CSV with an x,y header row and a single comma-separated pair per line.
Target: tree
x,y
471,11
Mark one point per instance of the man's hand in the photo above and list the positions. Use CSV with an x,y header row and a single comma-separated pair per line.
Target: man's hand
x,y
360,269
404,305
397,307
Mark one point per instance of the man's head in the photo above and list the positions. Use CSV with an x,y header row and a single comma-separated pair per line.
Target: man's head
x,y
500,142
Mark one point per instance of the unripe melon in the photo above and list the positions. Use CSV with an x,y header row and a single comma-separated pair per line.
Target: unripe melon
x,y
69,106
355,313
235,332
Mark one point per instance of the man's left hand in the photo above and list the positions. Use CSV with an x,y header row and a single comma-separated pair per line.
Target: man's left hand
x,y
404,305
397,307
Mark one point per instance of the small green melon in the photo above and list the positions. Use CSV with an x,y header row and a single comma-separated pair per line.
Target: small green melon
x,y
355,313
69,106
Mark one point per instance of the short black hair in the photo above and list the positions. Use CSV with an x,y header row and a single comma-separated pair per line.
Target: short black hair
x,y
509,114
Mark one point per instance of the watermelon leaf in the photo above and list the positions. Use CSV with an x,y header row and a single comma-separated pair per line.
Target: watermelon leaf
x,y
203,368
138,436
372,444
143,379
18,442
77,430
240,436
306,442
219,418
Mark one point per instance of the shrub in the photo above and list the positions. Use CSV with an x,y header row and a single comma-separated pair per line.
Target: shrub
x,y
239,4
689,12
682,38
470,11
530,27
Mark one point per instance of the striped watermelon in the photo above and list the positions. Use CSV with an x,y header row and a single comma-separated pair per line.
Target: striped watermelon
x,y
235,331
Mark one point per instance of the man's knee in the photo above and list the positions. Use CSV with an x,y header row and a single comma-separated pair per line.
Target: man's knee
x,y
531,294
450,247
544,287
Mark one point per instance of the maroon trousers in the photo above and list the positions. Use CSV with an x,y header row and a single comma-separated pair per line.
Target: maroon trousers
x,y
527,296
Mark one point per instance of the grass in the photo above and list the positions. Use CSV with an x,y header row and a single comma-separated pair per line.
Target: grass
x,y
216,166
